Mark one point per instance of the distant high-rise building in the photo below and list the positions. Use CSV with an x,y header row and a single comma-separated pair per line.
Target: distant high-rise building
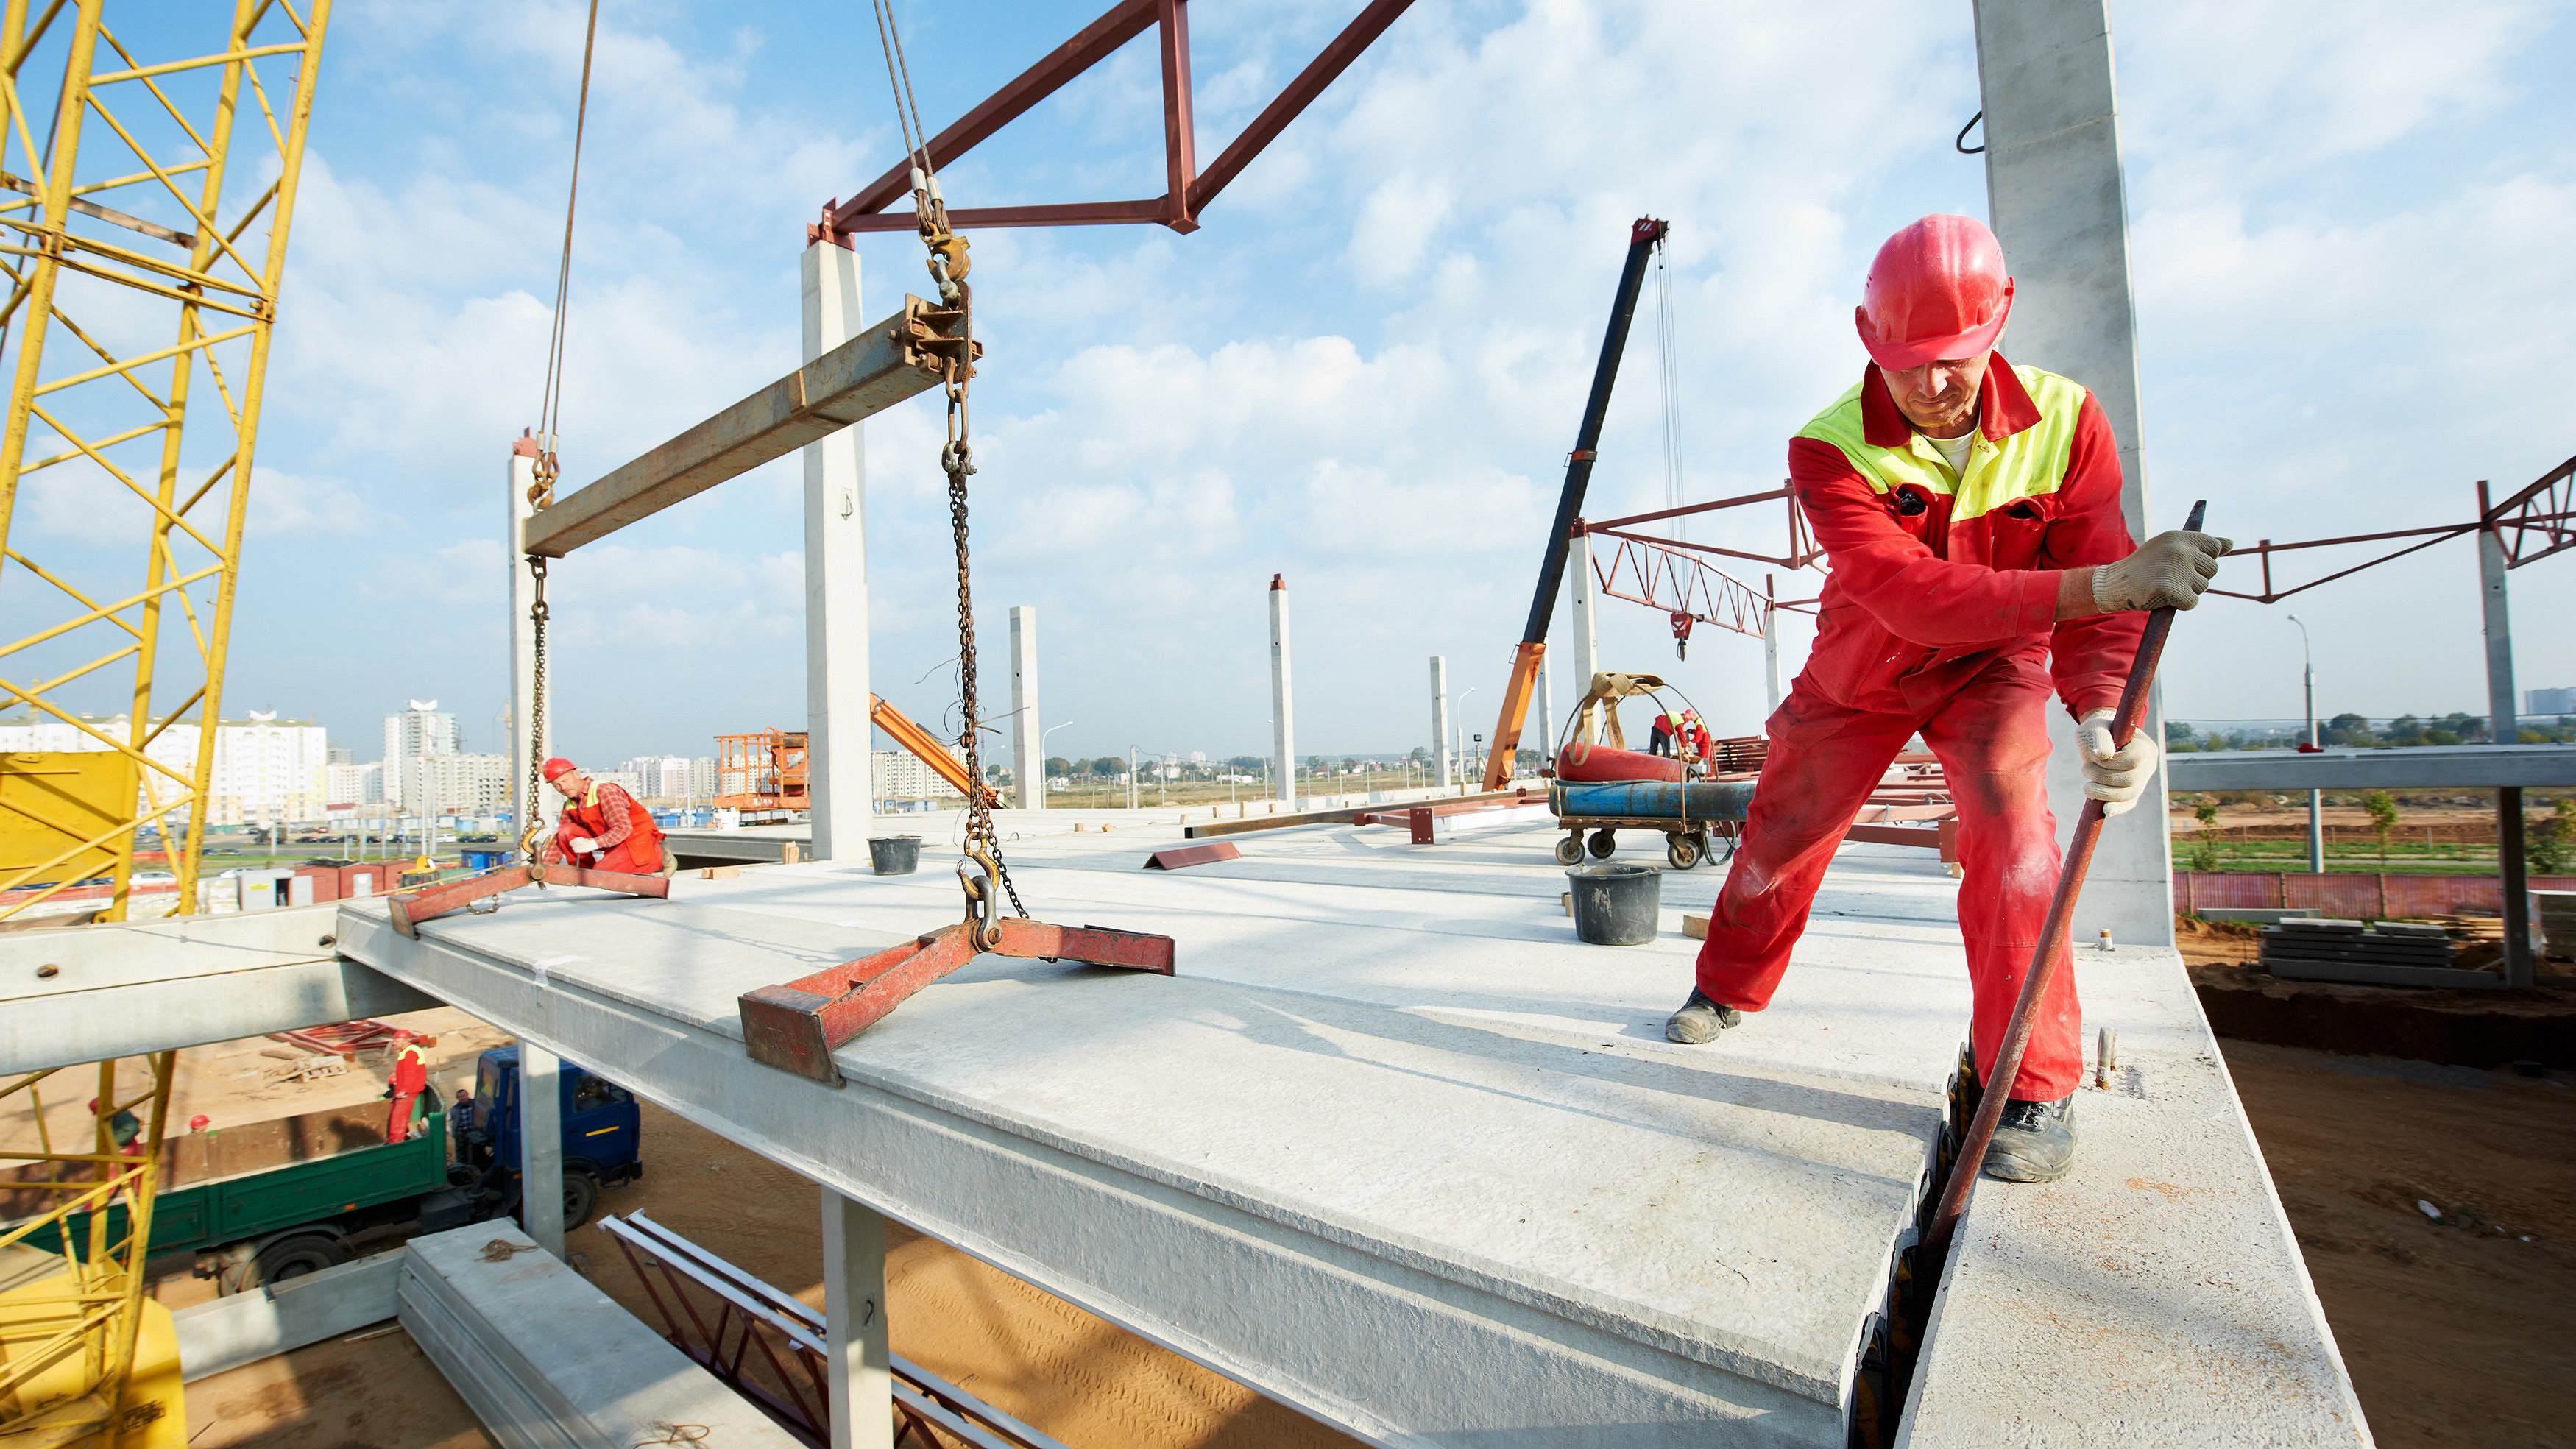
x,y
422,728
339,755
347,784
2549,701
267,771
454,784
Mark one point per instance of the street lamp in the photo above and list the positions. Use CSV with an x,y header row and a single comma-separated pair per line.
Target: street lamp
x,y
1042,758
2316,798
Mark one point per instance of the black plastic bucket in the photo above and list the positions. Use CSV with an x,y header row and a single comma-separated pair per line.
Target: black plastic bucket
x,y
1616,905
894,854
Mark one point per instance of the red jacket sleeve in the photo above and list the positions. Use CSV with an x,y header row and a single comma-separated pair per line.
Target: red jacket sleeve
x,y
2089,658
1913,593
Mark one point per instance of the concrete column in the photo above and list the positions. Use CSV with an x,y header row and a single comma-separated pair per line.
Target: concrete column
x,y
1547,706
541,1145
1586,593
523,641
2056,196
2504,724
1771,647
859,1366
1028,770
1440,719
838,734
1283,725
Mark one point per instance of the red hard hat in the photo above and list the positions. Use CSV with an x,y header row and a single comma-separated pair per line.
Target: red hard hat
x,y
1937,291
558,767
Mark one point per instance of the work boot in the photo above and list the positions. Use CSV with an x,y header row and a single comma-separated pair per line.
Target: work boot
x,y
2035,1141
1700,1020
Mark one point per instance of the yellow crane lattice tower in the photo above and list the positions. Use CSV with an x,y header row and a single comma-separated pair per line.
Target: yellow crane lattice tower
x,y
148,176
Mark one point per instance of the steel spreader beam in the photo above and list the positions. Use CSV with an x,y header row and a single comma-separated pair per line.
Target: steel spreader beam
x,y
796,1027
908,353
409,908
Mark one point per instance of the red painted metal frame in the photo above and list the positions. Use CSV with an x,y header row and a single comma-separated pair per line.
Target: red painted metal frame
x,y
1187,191
2544,510
797,1026
1648,572
409,908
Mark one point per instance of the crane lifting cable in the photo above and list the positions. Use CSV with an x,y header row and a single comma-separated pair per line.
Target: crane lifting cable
x,y
798,1025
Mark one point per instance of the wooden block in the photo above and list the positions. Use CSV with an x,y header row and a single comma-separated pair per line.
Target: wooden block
x,y
719,872
1566,899
1695,927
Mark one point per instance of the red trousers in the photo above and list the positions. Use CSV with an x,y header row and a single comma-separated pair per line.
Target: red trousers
x,y
1991,735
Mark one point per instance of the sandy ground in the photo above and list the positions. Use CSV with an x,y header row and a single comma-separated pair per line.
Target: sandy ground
x,y
1061,1369
2456,1333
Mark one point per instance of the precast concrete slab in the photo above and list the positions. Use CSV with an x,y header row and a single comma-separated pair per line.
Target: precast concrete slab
x,y
1398,1151
2153,1296
1403,1155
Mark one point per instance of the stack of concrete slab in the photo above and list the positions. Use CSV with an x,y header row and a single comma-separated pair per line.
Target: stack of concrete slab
x,y
549,1362
2398,953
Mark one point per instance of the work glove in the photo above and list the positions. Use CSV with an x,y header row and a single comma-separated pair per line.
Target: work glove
x,y
2114,774
583,845
2169,571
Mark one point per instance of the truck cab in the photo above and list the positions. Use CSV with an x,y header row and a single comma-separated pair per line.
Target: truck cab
x,y
602,1134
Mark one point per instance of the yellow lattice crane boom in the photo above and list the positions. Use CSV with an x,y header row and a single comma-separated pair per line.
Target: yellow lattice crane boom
x,y
149,156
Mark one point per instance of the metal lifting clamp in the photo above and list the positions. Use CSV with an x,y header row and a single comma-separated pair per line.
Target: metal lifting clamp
x,y
796,1027
409,908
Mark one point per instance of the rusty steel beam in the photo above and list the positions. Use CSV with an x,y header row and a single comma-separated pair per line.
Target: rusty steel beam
x,y
925,747
1078,213
909,352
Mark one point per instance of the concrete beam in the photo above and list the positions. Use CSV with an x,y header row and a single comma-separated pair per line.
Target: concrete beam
x,y
88,993
2458,767
858,378
239,1328
2166,1251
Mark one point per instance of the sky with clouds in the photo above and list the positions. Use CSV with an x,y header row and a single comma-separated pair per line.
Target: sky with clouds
x,y
1364,372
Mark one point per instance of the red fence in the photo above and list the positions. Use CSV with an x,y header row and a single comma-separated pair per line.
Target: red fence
x,y
2350,896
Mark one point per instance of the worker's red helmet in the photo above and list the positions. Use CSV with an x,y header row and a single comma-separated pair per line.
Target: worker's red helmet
x,y
1936,291
558,767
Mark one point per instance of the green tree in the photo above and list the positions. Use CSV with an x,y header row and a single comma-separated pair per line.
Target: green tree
x,y
2204,851
2406,729
1059,765
2382,808
2551,843
2347,729
2178,735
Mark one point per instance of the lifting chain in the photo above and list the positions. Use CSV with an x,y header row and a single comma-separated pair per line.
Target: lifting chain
x,y
538,615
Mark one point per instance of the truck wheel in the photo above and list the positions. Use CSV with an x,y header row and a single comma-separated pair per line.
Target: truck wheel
x,y
1569,851
581,1194
291,1256
1603,842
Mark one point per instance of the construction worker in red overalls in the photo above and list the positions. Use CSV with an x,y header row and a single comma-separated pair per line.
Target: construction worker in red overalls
x,y
1971,510
410,1079
602,826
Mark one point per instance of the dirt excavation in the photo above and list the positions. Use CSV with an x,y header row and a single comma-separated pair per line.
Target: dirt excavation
x,y
2454,1326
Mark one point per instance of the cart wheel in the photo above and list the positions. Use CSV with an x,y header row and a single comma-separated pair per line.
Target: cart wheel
x,y
1682,850
1603,842
1569,851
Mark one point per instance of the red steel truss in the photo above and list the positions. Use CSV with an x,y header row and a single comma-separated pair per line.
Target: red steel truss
x,y
1187,188
2534,523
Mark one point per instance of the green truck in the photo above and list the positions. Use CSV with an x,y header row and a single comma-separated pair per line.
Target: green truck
x,y
272,1200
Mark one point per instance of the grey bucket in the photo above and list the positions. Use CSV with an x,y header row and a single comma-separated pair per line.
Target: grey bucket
x,y
894,854
1616,905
